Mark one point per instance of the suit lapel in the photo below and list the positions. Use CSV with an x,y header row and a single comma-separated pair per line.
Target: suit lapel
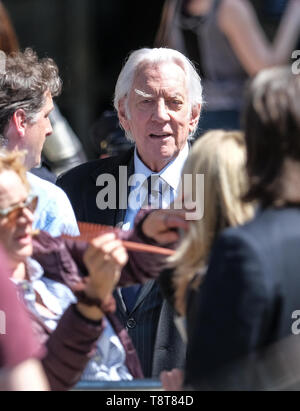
x,y
123,194
145,290
113,217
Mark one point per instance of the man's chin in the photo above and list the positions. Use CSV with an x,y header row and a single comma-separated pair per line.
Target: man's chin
x,y
162,159
168,153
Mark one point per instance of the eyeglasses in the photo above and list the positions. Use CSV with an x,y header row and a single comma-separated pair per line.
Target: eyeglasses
x,y
13,212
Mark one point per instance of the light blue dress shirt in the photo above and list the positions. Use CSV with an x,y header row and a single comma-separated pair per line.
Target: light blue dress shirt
x,y
171,175
54,212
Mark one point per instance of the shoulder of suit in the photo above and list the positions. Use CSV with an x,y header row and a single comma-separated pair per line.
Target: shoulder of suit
x,y
259,231
94,167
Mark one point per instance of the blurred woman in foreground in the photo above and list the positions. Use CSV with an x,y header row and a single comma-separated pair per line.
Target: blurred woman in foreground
x,y
220,157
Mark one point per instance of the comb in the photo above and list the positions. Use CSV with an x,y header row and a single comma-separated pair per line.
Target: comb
x,y
89,231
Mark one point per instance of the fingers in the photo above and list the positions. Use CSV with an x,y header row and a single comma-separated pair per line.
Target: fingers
x,y
167,238
104,259
172,220
104,241
160,225
106,248
172,380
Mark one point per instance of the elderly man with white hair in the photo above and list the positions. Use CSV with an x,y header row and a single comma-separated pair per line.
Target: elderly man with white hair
x,y
158,98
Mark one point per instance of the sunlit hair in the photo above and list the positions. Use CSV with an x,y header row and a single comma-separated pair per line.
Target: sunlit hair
x,y
220,156
24,82
14,161
157,56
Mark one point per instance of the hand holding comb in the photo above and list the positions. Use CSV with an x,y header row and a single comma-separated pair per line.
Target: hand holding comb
x,y
89,231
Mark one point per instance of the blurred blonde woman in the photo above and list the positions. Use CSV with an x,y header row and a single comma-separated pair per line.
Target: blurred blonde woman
x,y
220,156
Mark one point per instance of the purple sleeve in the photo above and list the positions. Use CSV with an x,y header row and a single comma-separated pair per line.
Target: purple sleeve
x,y
70,347
61,259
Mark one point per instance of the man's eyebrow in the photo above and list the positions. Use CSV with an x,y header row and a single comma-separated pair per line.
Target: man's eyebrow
x,y
146,95
176,95
142,93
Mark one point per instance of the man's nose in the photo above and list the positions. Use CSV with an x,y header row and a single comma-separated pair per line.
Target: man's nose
x,y
160,112
49,129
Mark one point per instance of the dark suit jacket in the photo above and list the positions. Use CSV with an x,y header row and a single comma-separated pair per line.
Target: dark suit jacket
x,y
250,291
151,321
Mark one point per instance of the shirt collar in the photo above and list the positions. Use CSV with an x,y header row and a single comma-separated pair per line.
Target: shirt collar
x,y
34,269
171,174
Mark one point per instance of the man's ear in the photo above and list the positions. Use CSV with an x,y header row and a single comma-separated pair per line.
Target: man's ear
x,y
19,122
122,113
195,114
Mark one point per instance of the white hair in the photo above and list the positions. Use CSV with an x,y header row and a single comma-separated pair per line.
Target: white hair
x,y
156,56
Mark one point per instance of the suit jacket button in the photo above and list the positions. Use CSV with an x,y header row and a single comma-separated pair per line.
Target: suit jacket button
x,y
131,323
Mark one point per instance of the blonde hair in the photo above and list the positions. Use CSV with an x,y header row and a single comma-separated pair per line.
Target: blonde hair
x,y
221,157
14,161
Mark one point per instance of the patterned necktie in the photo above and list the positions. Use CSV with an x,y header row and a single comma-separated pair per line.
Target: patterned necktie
x,y
154,186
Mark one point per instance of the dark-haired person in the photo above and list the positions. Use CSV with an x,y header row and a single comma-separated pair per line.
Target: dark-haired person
x,y
27,86
252,286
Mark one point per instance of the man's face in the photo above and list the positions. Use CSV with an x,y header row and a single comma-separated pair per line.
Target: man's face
x,y
36,133
160,116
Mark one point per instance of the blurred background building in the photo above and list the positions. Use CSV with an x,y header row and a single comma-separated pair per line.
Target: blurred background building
x,y
89,40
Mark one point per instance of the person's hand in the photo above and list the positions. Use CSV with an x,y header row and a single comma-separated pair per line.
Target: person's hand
x,y
104,260
172,380
163,225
